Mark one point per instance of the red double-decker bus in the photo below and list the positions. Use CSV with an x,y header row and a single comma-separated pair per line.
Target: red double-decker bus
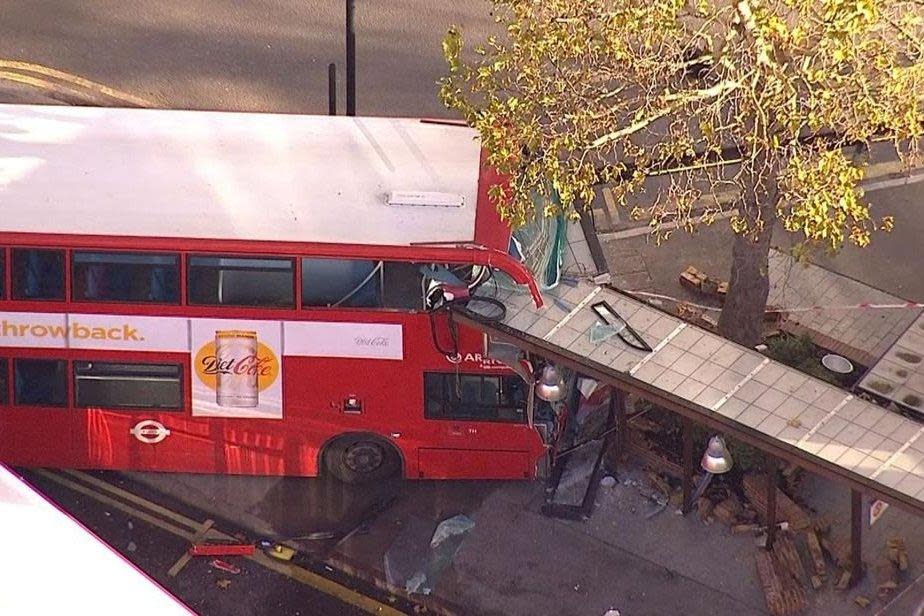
x,y
247,293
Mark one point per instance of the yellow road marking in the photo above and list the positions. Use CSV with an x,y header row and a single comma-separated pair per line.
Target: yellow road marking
x,y
190,523
42,84
76,80
293,571
186,557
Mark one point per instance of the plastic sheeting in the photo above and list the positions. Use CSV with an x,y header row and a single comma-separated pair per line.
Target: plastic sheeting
x,y
540,244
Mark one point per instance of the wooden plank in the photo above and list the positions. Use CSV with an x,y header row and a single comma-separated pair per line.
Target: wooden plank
x,y
818,557
785,549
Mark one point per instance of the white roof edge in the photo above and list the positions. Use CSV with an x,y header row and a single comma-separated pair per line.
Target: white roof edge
x,y
234,175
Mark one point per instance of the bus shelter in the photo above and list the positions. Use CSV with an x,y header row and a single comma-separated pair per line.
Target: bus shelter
x,y
720,385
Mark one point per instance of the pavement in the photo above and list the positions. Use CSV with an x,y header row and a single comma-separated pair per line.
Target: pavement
x,y
202,587
517,561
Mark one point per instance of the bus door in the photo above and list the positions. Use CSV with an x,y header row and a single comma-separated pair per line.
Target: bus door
x,y
482,429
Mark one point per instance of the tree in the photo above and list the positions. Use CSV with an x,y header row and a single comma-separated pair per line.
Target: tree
x,y
671,101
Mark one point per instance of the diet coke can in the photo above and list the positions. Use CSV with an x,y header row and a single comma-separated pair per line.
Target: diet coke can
x,y
236,354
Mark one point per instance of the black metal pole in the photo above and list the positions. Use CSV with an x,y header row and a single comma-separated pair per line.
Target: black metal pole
x,y
332,89
350,60
687,465
856,536
771,501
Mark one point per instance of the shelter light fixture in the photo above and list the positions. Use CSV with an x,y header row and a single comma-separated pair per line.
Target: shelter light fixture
x,y
550,386
717,460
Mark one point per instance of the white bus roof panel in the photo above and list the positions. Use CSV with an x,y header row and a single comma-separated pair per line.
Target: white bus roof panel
x,y
243,176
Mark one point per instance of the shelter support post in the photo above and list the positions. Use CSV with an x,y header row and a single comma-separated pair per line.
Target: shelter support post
x,y
622,424
771,468
687,464
856,536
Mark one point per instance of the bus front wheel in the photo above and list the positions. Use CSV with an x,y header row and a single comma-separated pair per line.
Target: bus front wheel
x,y
361,458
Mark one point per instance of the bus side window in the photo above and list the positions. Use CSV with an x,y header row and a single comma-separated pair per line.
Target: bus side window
x,y
125,277
124,385
241,281
2,273
40,382
478,397
348,283
402,284
38,274
4,385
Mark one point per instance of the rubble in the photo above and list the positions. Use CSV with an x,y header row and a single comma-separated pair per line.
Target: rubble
x,y
755,488
783,597
784,550
897,552
818,558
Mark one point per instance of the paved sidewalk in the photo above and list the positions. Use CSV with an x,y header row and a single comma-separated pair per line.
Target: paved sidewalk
x,y
863,335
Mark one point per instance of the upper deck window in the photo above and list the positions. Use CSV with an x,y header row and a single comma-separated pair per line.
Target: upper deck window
x,y
38,274
125,277
2,273
241,281
361,283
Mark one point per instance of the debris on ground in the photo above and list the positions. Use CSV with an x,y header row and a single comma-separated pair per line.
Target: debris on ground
x,y
223,583
898,554
225,566
819,566
861,601
280,552
787,556
222,549
888,572
414,563
755,488
783,596
695,280
131,546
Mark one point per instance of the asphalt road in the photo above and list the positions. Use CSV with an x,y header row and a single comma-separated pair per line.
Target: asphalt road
x,y
259,55
202,587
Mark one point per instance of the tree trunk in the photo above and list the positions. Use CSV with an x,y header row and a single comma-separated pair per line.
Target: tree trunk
x,y
742,315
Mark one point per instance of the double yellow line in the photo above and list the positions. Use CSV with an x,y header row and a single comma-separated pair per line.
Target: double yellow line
x,y
66,87
186,528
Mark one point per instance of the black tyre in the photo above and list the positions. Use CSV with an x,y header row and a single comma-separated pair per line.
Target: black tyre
x,y
361,458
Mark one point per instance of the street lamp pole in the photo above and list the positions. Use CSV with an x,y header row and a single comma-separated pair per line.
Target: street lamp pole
x,y
350,59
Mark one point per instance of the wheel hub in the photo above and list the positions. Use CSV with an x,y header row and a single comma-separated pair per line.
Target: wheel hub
x,y
364,457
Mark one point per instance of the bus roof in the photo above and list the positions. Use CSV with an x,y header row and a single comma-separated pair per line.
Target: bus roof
x,y
242,176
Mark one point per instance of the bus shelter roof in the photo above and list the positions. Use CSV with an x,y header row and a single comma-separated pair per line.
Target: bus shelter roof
x,y
241,176
723,385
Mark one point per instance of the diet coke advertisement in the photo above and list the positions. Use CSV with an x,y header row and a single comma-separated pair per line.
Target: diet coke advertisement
x,y
237,369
